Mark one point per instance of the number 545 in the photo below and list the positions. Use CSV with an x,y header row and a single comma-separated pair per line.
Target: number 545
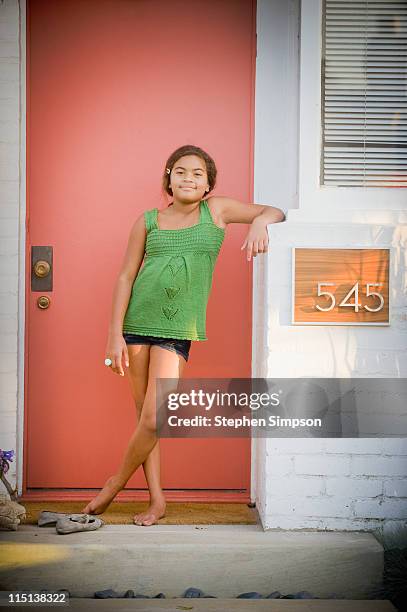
x,y
353,291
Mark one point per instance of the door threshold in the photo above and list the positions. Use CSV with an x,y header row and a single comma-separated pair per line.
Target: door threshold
x,y
131,495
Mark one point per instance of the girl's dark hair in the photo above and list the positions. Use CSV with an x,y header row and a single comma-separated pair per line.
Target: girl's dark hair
x,y
190,150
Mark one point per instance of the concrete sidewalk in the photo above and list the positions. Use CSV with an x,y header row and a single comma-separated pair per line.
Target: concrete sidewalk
x,y
221,605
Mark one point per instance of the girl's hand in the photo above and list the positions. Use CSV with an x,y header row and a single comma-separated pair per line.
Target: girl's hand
x,y
256,240
115,350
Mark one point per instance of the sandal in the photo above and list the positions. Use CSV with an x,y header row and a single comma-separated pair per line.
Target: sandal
x,y
46,517
78,522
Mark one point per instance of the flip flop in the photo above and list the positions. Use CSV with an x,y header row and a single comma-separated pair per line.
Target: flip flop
x,y
78,522
46,517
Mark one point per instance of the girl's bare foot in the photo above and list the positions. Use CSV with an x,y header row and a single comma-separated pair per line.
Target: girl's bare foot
x,y
105,497
154,512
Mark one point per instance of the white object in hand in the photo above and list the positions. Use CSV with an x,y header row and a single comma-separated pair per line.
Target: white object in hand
x,y
108,362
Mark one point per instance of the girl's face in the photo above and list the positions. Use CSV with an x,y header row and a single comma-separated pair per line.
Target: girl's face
x,y
189,179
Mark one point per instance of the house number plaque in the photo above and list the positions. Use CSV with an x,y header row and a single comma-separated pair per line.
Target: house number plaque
x,y
340,286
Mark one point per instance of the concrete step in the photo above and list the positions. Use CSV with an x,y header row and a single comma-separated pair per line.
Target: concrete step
x,y
222,560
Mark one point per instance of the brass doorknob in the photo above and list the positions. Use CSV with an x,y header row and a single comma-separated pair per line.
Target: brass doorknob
x,y
41,268
43,302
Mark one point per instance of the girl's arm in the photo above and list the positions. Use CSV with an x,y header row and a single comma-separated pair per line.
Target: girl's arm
x,y
234,211
131,264
259,216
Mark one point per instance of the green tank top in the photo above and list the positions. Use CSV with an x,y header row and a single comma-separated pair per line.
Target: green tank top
x,y
171,290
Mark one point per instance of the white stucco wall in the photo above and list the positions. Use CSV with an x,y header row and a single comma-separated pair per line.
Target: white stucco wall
x,y
344,483
12,213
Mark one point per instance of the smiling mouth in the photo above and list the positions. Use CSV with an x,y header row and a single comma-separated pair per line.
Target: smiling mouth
x,y
187,187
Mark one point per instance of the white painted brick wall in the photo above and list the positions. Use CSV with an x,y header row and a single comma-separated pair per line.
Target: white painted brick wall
x,y
395,487
353,487
341,483
322,466
9,225
370,465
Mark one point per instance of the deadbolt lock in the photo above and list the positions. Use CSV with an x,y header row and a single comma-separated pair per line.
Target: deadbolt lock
x,y
43,302
41,268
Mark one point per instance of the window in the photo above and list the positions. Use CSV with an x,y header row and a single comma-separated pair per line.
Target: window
x,y
364,93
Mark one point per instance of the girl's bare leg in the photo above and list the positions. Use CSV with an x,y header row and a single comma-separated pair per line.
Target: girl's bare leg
x,y
156,509
139,358
163,363
138,376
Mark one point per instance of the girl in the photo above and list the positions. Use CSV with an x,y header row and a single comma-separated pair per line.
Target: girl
x,y
156,316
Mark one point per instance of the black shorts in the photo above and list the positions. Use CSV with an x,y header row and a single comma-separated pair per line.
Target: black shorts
x,y
172,344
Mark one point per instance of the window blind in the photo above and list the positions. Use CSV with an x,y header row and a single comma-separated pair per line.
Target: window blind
x,y
364,93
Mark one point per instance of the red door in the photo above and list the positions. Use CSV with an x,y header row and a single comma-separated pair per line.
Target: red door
x,y
113,87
